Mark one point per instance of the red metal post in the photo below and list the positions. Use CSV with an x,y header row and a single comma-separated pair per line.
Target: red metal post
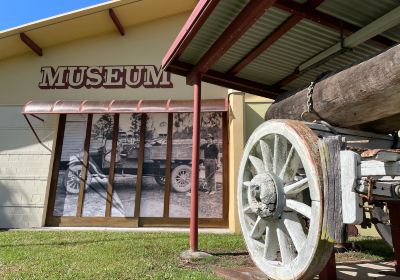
x,y
194,225
394,215
329,272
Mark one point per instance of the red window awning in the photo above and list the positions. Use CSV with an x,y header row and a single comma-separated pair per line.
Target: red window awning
x,y
122,106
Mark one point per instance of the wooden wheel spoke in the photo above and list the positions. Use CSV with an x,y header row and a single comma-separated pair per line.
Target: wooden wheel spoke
x,y
296,187
291,166
248,210
285,244
280,154
258,229
247,183
258,164
299,207
295,230
271,242
266,155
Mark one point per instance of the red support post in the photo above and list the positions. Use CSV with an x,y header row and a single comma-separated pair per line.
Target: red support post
x,y
394,210
194,225
329,271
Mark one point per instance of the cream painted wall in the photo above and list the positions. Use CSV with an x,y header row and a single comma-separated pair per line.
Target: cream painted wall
x,y
255,109
24,168
142,44
25,165
246,112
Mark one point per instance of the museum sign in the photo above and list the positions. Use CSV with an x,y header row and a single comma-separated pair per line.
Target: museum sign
x,y
109,77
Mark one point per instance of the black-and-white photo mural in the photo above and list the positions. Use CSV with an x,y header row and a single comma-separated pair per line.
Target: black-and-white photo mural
x,y
69,175
95,195
155,154
116,194
126,166
210,177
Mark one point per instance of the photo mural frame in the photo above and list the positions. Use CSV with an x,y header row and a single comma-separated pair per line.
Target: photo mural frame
x,y
137,220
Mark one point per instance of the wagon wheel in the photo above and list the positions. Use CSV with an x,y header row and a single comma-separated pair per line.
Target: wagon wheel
x,y
280,198
180,178
383,226
73,177
160,180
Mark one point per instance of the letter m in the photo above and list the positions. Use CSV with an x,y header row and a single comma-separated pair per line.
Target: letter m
x,y
156,78
53,78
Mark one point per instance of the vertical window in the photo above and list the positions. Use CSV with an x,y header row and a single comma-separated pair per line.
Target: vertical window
x,y
126,166
95,196
71,162
210,174
155,154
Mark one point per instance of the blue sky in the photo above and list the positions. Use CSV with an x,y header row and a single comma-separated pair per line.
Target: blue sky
x,y
17,12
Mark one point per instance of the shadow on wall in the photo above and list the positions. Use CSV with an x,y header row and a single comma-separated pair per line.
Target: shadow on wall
x,y
253,118
16,208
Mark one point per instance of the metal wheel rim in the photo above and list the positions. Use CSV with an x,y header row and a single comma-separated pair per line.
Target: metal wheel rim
x,y
297,251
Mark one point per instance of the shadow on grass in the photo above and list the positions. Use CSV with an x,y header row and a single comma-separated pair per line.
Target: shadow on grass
x,y
91,241
375,247
234,254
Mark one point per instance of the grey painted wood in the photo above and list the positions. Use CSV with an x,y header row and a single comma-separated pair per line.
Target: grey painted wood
x,y
351,201
379,168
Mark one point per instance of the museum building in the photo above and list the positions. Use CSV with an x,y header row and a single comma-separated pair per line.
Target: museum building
x,y
94,133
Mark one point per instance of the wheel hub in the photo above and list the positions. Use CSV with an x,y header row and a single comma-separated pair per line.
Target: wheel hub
x,y
263,195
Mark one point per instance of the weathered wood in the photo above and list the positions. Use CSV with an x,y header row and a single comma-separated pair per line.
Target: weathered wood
x,y
358,95
330,162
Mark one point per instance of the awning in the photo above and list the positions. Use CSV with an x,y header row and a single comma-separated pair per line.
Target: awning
x,y
122,106
269,47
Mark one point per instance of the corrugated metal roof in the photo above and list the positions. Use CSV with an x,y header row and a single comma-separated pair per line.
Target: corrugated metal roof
x,y
261,29
361,12
298,45
222,16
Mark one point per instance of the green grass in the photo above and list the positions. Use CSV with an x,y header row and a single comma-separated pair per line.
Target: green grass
x,y
114,255
105,255
367,248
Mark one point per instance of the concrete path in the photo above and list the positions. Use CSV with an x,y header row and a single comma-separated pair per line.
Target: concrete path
x,y
348,271
378,270
140,229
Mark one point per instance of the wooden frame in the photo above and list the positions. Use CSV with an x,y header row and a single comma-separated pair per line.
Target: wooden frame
x,y
82,184
56,167
112,165
135,221
138,196
168,166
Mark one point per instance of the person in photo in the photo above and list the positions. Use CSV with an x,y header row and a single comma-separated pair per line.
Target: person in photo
x,y
210,162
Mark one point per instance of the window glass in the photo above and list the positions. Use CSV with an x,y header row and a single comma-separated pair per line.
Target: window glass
x,y
210,168
69,175
95,196
155,154
126,164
